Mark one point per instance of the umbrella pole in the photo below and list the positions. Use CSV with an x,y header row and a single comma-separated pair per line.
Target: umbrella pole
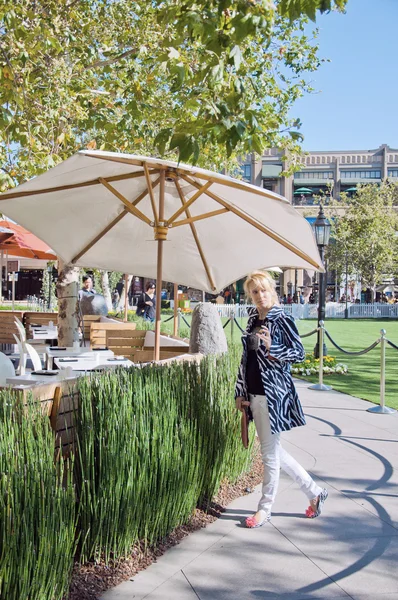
x,y
160,236
175,330
126,297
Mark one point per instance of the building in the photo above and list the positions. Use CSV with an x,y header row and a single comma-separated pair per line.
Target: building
x,y
328,172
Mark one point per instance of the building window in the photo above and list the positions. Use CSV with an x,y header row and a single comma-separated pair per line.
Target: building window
x,y
392,172
360,174
314,175
247,172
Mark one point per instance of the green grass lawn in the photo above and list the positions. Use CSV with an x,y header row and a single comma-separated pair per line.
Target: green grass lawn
x,y
363,378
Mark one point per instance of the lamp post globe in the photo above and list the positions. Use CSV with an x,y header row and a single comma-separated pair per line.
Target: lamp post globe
x,y
322,234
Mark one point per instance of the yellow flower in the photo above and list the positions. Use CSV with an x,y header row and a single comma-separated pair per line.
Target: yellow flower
x,y
307,361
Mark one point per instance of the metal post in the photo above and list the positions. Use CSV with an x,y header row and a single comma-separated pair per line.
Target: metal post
x,y
321,307
320,386
175,322
13,289
178,321
346,286
126,297
295,297
382,408
49,271
232,324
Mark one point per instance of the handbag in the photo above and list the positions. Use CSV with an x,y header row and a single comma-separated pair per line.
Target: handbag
x,y
244,428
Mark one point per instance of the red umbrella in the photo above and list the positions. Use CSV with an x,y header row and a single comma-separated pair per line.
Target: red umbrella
x,y
23,243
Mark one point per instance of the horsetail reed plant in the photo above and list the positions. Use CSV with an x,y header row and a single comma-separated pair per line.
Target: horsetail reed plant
x,y
37,506
152,444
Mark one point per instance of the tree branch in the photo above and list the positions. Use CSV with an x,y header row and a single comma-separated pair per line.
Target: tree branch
x,y
110,61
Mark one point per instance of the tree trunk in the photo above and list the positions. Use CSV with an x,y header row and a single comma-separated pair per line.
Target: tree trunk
x,y
68,307
105,289
123,293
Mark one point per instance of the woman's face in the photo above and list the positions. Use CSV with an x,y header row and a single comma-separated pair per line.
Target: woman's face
x,y
261,296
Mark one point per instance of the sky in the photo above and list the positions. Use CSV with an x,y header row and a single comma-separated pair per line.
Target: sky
x,y
356,107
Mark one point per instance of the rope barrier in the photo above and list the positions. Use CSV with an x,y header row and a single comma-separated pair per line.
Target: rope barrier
x,y
226,323
352,353
167,320
392,344
310,333
185,321
242,330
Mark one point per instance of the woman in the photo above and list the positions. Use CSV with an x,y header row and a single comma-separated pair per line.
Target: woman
x,y
264,384
146,305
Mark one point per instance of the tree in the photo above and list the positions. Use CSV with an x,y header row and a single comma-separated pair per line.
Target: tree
x,y
205,79
48,287
365,235
201,80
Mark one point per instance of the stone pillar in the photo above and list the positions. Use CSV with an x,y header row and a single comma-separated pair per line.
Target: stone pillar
x,y
337,182
207,334
257,167
384,163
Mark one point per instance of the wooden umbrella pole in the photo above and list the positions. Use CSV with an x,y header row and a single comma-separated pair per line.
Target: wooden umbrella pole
x,y
160,236
126,297
175,330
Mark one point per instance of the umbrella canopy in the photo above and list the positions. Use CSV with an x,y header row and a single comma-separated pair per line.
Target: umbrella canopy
x,y
5,234
22,243
104,210
303,191
95,210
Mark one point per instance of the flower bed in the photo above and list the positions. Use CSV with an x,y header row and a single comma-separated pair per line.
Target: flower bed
x,y
310,366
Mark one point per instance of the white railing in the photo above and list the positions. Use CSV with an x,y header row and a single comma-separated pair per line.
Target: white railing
x,y
334,310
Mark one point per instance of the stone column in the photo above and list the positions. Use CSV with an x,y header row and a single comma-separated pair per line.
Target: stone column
x,y
256,174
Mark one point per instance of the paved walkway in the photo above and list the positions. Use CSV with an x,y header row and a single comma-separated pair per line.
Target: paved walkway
x,y
351,551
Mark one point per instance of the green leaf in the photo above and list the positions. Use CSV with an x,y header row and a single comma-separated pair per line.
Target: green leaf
x,y
236,55
296,136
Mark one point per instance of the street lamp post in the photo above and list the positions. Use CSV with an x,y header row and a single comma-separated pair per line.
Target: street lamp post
x,y
346,286
322,234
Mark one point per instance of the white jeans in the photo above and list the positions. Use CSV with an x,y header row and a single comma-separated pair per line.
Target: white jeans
x,y
275,457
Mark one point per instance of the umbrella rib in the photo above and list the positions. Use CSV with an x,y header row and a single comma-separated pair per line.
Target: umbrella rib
x,y
201,190
100,235
112,224
195,234
190,219
73,186
272,234
236,185
151,195
130,207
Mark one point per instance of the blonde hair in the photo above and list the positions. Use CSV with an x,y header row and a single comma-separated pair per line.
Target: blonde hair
x,y
261,279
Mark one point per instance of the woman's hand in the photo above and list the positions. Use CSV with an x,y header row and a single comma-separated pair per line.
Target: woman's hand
x,y
241,402
265,336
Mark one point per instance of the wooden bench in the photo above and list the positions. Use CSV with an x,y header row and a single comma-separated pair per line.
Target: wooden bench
x,y
38,318
124,339
8,327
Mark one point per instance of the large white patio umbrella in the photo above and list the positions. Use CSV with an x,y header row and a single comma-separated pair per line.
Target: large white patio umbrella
x,y
157,218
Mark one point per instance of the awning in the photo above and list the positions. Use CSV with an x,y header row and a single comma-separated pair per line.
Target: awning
x,y
271,171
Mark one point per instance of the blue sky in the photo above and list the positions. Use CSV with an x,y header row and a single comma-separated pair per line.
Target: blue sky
x,y
356,107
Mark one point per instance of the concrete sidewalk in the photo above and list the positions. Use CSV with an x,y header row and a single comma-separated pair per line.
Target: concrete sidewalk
x,y
351,551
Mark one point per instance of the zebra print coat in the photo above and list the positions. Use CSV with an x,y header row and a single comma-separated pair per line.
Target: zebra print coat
x,y
285,411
